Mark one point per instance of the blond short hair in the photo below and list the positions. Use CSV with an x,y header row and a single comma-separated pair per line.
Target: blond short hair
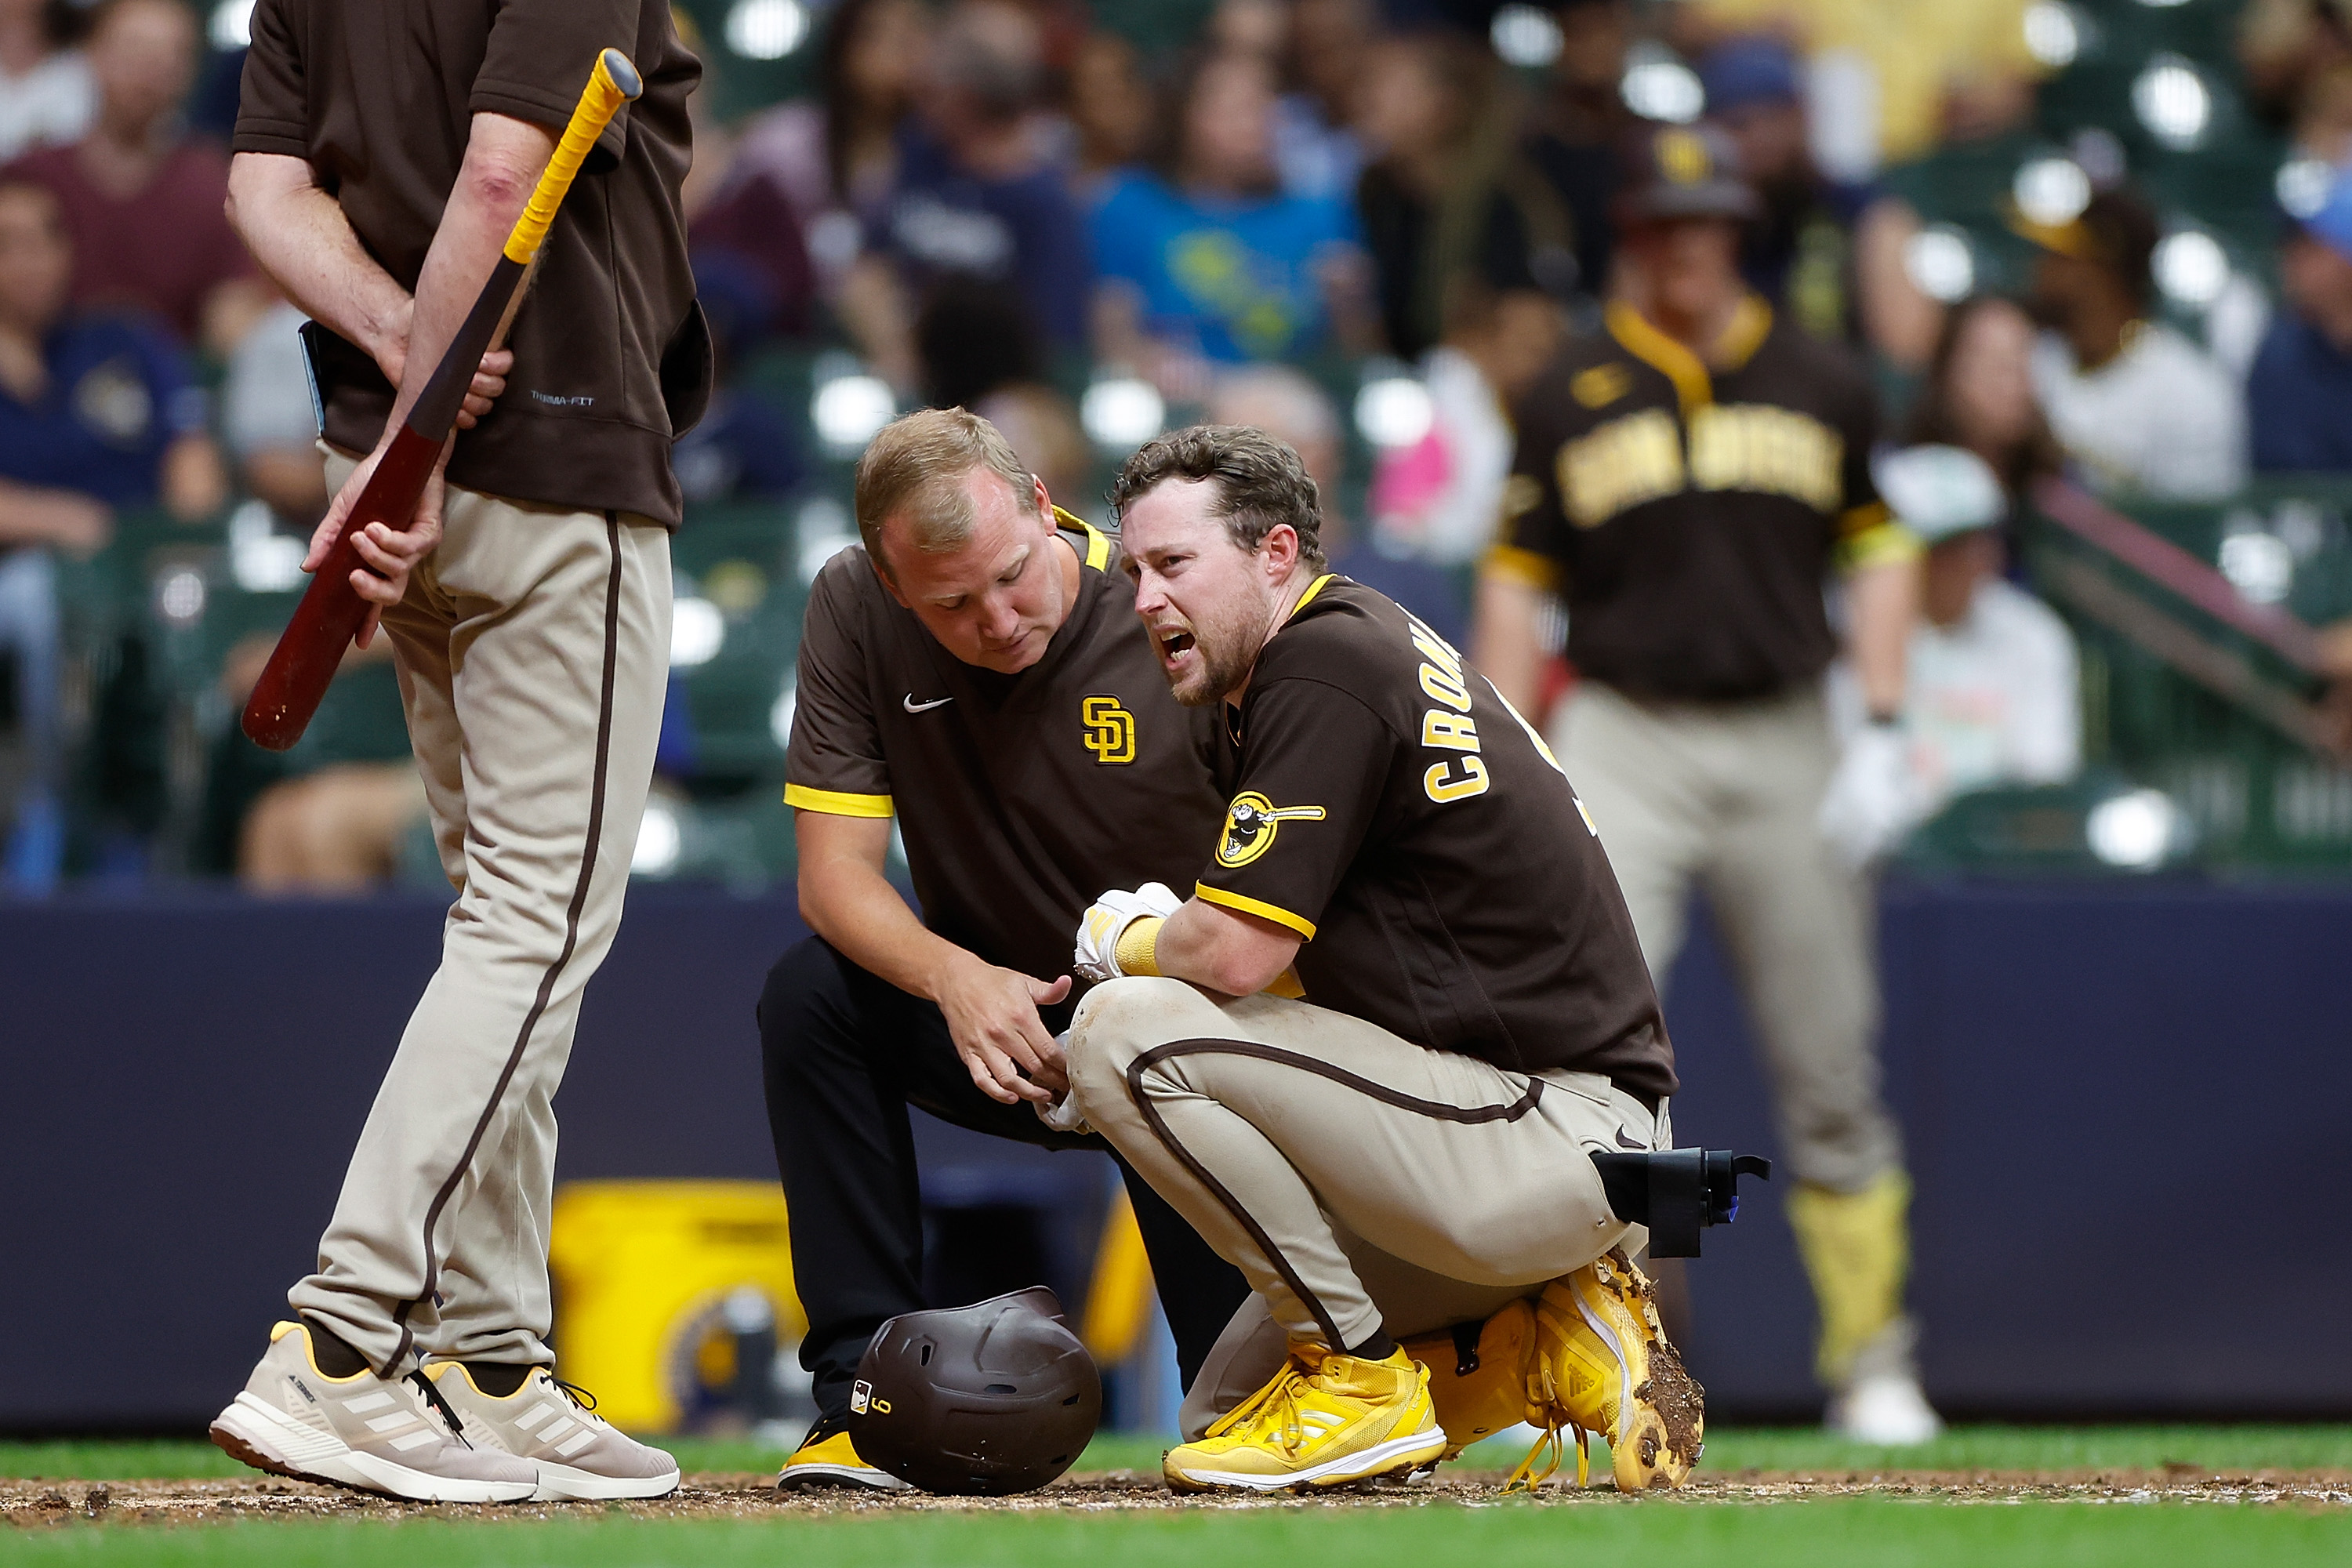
x,y
916,465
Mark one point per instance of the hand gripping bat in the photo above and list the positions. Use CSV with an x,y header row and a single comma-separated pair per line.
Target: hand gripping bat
x,y
331,612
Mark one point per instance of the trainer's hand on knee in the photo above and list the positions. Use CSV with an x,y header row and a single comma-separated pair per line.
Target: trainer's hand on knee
x,y
992,1015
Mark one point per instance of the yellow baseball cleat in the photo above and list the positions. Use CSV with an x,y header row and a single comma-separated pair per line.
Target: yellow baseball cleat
x,y
1603,1365
826,1457
1325,1420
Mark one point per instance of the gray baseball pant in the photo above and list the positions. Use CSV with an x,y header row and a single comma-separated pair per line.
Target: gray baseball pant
x,y
1287,1133
533,655
1726,794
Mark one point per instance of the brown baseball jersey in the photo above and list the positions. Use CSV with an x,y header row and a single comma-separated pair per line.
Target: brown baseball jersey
x,y
1394,811
612,358
1020,797
1689,517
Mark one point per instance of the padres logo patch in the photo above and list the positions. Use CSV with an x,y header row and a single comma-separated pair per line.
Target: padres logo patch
x,y
1249,825
1110,730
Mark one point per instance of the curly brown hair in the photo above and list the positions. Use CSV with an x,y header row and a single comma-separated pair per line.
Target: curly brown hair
x,y
1261,483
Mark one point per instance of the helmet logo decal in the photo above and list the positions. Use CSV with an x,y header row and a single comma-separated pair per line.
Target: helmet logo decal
x,y
1683,156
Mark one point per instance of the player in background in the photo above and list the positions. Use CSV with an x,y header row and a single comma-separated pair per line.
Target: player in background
x,y
973,670
1686,480
382,153
1408,1147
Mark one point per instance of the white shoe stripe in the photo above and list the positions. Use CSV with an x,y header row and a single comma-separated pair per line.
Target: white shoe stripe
x,y
417,1440
361,1407
391,1423
585,1437
556,1428
1365,1462
536,1414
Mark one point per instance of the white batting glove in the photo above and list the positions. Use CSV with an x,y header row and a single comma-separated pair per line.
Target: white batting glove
x,y
1874,798
1097,957
1063,1115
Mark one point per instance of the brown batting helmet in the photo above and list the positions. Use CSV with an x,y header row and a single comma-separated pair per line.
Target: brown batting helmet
x,y
979,1401
1683,171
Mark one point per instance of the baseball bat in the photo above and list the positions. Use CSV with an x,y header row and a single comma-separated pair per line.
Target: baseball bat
x,y
331,610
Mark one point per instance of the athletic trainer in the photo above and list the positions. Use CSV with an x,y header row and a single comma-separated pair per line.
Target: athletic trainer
x,y
1408,1147
973,669
384,153
1688,479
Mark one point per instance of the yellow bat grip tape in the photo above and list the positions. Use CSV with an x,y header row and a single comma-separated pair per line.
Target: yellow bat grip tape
x,y
613,83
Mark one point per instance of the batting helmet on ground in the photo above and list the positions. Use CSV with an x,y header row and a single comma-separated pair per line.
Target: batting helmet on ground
x,y
985,1400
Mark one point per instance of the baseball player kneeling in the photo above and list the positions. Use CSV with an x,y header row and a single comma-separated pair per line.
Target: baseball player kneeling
x,y
1407,1148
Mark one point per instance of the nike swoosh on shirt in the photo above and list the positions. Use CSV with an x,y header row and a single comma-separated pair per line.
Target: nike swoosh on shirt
x,y
911,706
1625,1142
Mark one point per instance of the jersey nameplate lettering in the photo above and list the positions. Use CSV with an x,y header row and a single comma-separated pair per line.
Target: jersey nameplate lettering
x,y
1736,446
1449,728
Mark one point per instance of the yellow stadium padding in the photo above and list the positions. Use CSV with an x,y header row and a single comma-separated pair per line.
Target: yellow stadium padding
x,y
1119,1299
642,1269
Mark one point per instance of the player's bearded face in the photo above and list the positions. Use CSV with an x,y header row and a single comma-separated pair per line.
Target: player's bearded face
x,y
1204,601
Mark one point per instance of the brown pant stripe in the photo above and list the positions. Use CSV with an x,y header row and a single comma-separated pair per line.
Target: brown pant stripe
x,y
555,968
1435,1109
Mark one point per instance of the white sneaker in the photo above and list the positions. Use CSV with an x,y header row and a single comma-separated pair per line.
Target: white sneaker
x,y
1886,1409
364,1431
577,1452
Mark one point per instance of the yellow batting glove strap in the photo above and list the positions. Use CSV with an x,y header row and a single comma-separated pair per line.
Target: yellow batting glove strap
x,y
1136,948
1287,987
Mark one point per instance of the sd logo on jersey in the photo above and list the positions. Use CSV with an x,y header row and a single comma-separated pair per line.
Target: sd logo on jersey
x,y
1249,825
1110,730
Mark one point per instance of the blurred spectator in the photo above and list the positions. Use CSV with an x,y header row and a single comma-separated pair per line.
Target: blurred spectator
x,y
1044,431
1890,81
2284,46
1454,211
1110,110
1315,152
1993,697
96,411
980,201
1828,251
1203,258
2299,391
332,829
142,203
1260,27
95,414
46,94
835,157
2135,406
1575,132
267,420
1438,499
2323,121
1285,405
1979,394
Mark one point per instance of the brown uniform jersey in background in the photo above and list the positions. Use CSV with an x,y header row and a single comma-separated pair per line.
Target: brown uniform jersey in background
x,y
612,359
1689,519
1391,809
1020,797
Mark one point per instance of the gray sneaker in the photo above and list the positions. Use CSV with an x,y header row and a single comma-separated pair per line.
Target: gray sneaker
x,y
364,1431
578,1452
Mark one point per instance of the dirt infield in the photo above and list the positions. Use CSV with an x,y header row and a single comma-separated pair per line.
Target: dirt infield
x,y
37,1503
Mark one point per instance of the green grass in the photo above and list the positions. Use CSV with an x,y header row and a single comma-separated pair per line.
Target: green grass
x,y
2233,1450
1883,1533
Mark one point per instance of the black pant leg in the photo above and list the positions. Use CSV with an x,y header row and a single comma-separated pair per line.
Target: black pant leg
x,y
1199,1292
845,1152
844,1055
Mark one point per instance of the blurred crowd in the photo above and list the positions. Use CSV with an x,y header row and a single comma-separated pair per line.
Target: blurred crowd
x,y
998,202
